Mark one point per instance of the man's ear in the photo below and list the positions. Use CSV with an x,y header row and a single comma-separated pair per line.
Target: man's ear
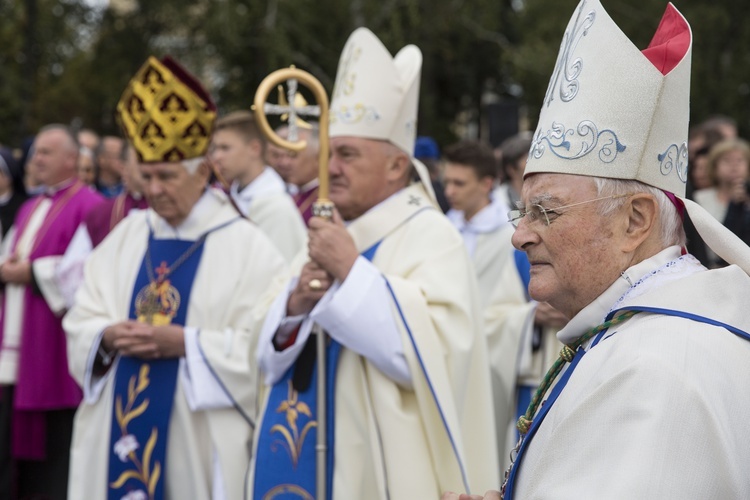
x,y
487,183
256,145
398,167
642,212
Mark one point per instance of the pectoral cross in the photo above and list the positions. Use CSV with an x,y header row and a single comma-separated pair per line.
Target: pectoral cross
x,y
291,109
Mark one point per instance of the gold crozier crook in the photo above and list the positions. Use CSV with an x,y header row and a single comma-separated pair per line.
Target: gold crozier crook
x,y
323,207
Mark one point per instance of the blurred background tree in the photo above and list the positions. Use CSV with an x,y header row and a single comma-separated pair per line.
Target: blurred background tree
x,y
68,60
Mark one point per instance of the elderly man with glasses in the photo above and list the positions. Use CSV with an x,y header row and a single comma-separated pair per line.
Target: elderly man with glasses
x,y
649,396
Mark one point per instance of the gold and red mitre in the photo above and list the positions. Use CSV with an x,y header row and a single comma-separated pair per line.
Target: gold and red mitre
x,y
165,113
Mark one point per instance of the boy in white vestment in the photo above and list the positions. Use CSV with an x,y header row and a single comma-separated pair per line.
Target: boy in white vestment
x,y
238,152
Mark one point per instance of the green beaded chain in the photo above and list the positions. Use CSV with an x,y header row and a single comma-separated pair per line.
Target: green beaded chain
x,y
567,354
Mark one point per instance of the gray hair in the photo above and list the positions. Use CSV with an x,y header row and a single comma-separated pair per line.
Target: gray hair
x,y
192,164
672,230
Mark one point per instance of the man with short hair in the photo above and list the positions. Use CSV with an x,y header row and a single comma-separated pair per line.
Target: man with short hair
x,y
469,178
238,151
390,282
39,397
302,169
517,331
650,395
164,328
109,166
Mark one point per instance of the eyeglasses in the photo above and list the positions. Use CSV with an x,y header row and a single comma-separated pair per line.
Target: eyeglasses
x,y
537,212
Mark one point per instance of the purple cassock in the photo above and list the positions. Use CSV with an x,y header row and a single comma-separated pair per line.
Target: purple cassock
x,y
304,201
44,382
109,213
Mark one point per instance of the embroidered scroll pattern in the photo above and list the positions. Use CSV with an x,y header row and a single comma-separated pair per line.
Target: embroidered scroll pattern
x,y
674,158
567,70
571,144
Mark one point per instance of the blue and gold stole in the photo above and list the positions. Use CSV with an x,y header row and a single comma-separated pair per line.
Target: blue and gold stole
x,y
285,457
144,390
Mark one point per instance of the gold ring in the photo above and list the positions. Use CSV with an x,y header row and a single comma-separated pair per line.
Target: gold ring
x,y
315,284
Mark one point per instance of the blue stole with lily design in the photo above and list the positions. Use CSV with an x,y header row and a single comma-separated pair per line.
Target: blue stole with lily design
x,y
144,390
285,460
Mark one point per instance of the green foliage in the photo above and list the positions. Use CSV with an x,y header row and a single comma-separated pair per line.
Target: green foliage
x,y
64,61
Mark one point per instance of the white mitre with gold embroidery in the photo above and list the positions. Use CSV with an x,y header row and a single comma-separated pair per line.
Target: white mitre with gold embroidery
x,y
614,111
376,96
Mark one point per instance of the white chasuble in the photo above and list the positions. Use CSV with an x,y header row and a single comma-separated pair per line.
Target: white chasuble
x,y
208,435
658,408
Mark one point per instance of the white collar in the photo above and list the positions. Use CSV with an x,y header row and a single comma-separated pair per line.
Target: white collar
x,y
650,271
309,186
267,183
211,210
487,220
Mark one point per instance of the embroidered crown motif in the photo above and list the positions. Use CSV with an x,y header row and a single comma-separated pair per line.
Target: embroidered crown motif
x,y
163,117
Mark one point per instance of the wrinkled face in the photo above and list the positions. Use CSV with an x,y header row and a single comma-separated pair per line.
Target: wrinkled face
x,y
231,153
86,171
357,169
299,168
274,158
576,257
171,190
731,167
55,157
464,189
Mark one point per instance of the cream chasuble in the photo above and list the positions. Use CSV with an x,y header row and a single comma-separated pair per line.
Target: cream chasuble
x,y
213,416
658,408
399,443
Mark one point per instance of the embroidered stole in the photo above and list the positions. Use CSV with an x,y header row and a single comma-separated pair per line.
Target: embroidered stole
x,y
558,388
285,457
144,390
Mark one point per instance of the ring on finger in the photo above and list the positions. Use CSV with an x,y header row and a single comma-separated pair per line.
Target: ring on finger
x,y
315,284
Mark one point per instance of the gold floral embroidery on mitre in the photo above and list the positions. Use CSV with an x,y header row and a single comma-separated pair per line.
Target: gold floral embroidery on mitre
x,y
157,303
294,440
164,119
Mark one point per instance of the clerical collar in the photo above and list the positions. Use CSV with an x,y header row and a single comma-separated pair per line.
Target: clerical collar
x,y
195,223
487,220
53,190
594,313
309,186
267,183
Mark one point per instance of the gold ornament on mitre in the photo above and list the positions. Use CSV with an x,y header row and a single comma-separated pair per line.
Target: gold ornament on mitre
x,y
165,113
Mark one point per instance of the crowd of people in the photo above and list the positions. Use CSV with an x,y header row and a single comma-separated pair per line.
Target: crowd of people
x,y
164,293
